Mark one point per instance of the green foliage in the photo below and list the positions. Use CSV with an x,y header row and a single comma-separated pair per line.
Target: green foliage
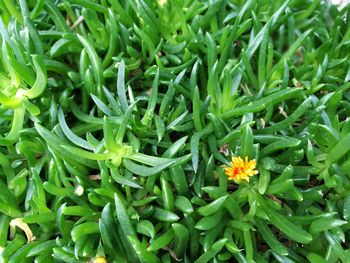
x,y
117,116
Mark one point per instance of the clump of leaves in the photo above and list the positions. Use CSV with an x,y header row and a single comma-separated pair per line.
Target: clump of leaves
x,y
117,120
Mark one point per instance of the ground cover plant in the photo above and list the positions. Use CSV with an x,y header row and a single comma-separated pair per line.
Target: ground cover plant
x,y
174,131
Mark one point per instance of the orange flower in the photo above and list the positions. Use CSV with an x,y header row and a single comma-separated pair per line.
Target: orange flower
x,y
240,169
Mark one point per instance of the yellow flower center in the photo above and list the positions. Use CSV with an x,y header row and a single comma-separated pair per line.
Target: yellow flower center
x,y
100,260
